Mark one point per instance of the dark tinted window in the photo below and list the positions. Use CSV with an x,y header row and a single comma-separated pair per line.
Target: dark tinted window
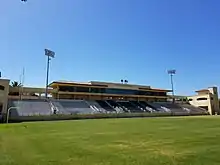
x,y
121,91
110,91
102,90
2,87
95,90
66,88
126,92
162,93
158,94
202,98
82,89
147,93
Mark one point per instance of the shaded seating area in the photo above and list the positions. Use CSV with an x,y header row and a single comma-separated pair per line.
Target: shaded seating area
x,y
95,106
138,105
147,106
118,108
129,106
105,105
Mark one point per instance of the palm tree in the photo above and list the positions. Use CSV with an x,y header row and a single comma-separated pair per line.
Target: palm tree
x,y
15,84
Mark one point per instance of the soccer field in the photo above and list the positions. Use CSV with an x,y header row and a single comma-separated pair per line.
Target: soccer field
x,y
139,141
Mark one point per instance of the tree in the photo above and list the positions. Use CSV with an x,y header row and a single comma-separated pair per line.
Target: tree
x,y
15,84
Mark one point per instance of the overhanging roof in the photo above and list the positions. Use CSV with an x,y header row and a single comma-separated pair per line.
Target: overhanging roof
x,y
107,85
30,90
202,90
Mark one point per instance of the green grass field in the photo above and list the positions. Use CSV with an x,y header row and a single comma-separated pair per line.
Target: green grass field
x,y
139,141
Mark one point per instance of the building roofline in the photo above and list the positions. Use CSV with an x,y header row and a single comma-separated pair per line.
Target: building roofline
x,y
107,84
202,90
4,79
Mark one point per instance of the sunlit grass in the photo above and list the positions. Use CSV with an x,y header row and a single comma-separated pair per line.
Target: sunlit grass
x,y
170,140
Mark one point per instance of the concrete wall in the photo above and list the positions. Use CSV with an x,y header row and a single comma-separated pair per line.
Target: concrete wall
x,y
215,100
193,100
4,90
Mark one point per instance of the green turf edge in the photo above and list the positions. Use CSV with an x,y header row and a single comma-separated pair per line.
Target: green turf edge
x,y
95,116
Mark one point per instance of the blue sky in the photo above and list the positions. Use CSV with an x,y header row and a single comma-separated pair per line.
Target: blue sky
x,y
109,40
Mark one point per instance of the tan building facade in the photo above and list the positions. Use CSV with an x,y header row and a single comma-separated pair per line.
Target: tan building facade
x,y
207,99
4,90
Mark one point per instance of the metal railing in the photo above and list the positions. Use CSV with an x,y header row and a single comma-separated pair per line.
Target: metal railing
x,y
8,111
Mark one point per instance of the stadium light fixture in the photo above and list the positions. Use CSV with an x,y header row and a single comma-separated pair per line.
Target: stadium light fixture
x,y
172,72
50,54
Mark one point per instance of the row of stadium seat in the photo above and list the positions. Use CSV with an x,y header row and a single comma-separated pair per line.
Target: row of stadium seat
x,y
48,107
29,107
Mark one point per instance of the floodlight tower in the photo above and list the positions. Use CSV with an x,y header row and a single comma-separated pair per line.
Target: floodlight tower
x,y
172,72
50,54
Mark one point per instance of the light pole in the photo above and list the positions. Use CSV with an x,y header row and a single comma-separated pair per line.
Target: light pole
x,y
171,73
50,54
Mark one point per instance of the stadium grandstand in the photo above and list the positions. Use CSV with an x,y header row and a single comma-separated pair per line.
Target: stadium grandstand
x,y
68,98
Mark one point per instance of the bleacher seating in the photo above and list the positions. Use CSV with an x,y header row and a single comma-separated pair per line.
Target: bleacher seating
x,y
158,107
193,109
29,107
138,105
73,107
129,106
148,107
95,106
118,108
105,105
175,108
49,107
